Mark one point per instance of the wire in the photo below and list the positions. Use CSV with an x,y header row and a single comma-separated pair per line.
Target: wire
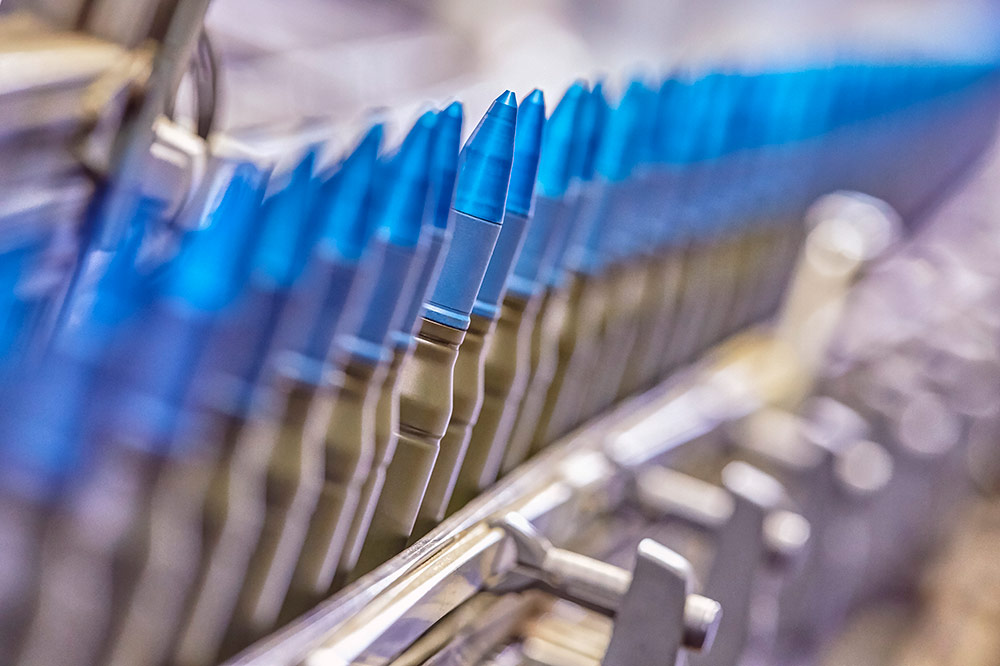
x,y
204,71
207,85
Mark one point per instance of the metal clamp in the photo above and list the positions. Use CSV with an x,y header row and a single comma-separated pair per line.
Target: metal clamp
x,y
831,470
655,612
752,530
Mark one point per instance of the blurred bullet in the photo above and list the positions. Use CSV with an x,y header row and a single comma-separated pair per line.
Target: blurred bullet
x,y
470,365
363,358
426,381
509,362
444,168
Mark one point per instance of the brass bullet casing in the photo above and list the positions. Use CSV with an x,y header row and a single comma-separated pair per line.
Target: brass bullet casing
x,y
425,403
232,517
505,378
575,342
24,524
85,554
780,247
661,301
638,325
349,451
543,361
145,626
728,260
621,318
294,478
386,425
467,398
694,300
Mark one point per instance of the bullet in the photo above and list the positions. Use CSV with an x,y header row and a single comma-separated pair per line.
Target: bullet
x,y
588,132
82,537
590,252
688,149
470,365
43,456
151,381
725,219
508,357
444,167
236,505
628,276
286,436
40,452
426,381
667,270
239,393
363,358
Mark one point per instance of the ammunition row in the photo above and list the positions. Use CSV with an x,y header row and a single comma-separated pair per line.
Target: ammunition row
x,y
217,421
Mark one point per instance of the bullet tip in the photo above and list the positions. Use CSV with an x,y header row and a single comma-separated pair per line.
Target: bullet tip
x,y
484,165
558,136
454,110
507,99
527,144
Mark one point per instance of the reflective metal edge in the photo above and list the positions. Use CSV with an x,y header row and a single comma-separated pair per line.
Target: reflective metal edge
x,y
378,616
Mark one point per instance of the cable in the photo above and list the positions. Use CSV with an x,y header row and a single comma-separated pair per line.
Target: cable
x,y
204,72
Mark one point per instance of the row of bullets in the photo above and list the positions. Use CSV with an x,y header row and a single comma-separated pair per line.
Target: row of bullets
x,y
273,392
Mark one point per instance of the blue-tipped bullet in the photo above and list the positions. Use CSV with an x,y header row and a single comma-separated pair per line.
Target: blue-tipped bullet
x,y
551,224
444,169
317,302
444,162
348,440
615,159
399,221
590,132
550,219
470,365
427,380
345,198
206,274
240,345
558,137
402,210
483,176
287,230
527,146
150,368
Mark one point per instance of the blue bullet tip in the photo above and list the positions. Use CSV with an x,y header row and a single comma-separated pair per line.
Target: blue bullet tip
x,y
644,138
507,98
485,161
555,164
614,159
207,271
402,208
527,146
345,197
589,132
285,237
453,110
444,162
